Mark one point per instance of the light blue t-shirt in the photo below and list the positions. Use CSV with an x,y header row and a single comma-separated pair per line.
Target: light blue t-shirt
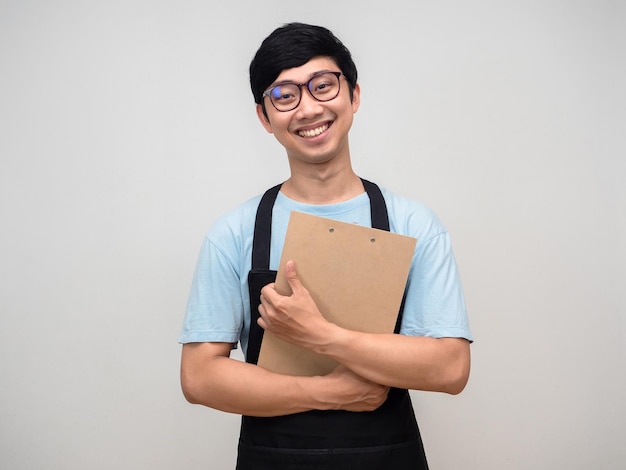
x,y
218,309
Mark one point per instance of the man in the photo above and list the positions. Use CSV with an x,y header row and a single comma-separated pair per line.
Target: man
x,y
359,416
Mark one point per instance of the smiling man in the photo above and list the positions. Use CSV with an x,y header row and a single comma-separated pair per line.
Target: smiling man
x,y
304,82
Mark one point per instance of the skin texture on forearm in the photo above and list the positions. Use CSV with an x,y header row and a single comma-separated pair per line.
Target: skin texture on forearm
x,y
209,377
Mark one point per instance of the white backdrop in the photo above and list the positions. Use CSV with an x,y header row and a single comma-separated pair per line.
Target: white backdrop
x,y
127,127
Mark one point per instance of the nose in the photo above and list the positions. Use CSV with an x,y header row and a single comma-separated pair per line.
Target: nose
x,y
309,106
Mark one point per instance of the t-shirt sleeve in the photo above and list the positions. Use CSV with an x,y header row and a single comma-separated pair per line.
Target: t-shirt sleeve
x,y
434,304
214,308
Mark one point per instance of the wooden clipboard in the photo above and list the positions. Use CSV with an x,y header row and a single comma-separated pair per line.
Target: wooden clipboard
x,y
355,274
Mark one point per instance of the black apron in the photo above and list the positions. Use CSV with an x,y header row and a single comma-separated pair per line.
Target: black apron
x,y
386,438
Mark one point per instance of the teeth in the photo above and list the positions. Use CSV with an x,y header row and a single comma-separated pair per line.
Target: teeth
x,y
313,132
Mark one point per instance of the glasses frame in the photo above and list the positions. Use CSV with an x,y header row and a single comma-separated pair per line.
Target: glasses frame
x,y
268,92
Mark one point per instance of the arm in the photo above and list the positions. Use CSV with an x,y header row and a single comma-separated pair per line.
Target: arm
x,y
210,377
413,362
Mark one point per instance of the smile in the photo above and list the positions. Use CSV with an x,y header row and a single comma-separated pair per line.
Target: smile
x,y
314,132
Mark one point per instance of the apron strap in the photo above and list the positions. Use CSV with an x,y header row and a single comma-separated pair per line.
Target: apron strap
x,y
378,208
263,229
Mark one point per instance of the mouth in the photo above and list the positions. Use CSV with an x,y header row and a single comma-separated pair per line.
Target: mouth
x,y
314,132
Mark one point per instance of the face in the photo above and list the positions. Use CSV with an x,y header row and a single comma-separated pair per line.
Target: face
x,y
315,132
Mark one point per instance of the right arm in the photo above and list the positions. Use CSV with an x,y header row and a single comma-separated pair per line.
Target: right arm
x,y
211,378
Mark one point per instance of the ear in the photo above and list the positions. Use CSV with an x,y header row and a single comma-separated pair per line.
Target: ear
x,y
265,122
356,98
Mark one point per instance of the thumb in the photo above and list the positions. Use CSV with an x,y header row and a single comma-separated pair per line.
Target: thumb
x,y
292,276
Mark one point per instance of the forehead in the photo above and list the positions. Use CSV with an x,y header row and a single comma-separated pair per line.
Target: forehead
x,y
304,72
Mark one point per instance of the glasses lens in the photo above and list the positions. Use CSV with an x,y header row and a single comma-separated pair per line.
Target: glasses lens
x,y
325,86
286,96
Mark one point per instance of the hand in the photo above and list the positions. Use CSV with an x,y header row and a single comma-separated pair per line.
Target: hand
x,y
351,392
294,318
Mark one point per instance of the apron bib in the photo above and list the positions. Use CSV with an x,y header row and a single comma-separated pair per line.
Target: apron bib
x,y
386,438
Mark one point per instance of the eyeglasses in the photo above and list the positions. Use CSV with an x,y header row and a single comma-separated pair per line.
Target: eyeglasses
x,y
286,96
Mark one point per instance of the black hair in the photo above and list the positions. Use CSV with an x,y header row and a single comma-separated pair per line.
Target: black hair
x,y
293,45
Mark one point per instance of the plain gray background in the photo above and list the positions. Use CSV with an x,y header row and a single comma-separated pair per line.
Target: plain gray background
x,y
127,127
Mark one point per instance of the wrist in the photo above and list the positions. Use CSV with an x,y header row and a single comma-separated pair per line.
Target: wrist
x,y
333,340
318,390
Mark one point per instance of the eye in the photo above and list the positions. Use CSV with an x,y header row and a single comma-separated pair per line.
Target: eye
x,y
324,85
278,94
283,93
321,85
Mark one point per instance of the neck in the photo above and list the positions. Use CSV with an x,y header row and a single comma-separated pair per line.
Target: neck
x,y
316,188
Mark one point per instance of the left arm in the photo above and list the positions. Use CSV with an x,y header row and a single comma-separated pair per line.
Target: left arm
x,y
412,362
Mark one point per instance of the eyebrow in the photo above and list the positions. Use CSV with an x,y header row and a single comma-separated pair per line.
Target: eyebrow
x,y
311,75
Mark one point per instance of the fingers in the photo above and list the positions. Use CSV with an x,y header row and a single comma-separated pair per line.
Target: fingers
x,y
291,315
269,316
261,320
